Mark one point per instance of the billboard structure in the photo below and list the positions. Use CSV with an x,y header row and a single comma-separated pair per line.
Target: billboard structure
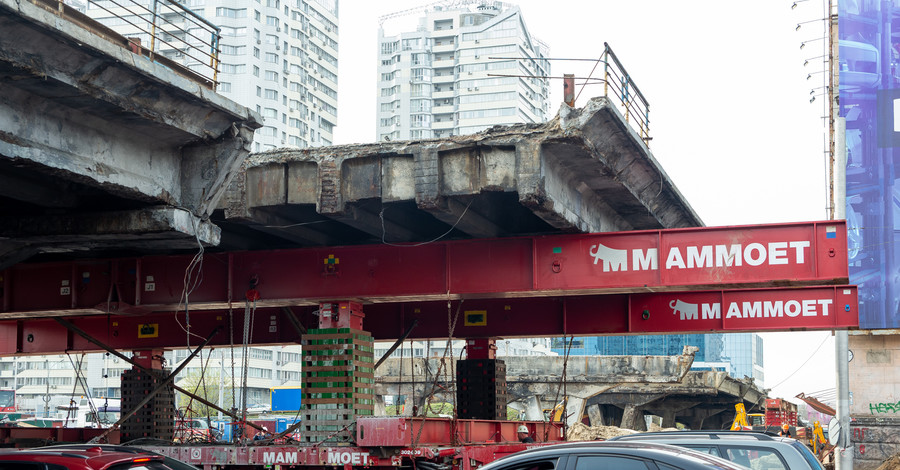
x,y
869,65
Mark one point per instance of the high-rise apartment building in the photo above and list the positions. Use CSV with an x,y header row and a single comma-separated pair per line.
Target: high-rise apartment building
x,y
43,384
279,57
739,354
468,66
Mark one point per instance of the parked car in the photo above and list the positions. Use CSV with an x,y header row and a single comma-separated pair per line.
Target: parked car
x,y
87,457
258,408
194,430
756,449
599,455
171,463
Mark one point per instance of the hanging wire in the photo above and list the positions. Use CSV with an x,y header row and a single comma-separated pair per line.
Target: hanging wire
x,y
402,245
249,312
448,350
193,277
804,363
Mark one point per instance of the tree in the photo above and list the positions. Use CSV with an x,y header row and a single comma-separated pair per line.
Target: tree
x,y
207,387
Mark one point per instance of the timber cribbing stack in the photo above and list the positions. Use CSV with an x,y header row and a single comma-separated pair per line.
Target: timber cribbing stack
x,y
338,379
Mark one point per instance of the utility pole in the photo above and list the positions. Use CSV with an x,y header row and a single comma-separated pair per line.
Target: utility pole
x,y
47,394
221,382
837,185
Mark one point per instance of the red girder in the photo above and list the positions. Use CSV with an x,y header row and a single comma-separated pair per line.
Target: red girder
x,y
782,309
532,286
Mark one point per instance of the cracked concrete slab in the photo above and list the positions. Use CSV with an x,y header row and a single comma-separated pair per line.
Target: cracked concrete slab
x,y
584,171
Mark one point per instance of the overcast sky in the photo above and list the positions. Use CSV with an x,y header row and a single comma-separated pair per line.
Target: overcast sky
x,y
730,112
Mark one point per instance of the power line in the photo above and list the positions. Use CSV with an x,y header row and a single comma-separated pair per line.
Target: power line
x,y
801,365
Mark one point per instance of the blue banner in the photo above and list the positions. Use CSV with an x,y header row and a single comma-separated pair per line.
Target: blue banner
x,y
869,64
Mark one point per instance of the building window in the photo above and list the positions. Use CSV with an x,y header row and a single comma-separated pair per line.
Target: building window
x,y
420,120
231,12
272,21
223,87
226,31
389,47
234,68
272,58
271,95
233,50
420,106
271,76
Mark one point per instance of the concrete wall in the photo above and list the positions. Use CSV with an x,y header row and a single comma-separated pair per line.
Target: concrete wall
x,y
875,399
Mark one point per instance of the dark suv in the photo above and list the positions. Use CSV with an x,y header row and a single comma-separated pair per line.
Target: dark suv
x,y
597,455
762,451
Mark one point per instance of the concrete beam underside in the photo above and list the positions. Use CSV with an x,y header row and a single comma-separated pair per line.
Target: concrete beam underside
x,y
84,113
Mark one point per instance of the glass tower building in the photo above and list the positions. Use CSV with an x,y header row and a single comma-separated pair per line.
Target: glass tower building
x,y
739,354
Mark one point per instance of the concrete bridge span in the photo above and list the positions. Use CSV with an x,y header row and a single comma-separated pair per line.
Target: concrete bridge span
x,y
608,390
102,148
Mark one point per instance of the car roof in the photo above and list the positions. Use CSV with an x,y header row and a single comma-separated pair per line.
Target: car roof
x,y
760,436
91,457
656,451
784,446
705,436
169,461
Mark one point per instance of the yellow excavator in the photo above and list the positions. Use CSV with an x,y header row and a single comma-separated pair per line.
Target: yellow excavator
x,y
740,419
557,414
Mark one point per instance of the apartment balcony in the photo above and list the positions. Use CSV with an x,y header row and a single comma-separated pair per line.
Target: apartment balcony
x,y
449,108
449,78
443,94
444,48
443,125
439,62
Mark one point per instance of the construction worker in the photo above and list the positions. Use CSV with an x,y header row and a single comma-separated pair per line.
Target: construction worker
x,y
785,430
522,434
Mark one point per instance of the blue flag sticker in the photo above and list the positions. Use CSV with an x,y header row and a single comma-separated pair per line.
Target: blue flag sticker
x,y
831,231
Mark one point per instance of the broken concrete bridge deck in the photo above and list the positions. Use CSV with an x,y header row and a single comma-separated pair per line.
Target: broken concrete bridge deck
x,y
584,171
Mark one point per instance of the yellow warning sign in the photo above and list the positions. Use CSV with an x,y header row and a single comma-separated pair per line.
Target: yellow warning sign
x,y
476,317
148,330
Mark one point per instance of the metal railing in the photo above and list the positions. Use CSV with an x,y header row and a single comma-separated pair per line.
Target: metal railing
x,y
630,99
617,86
164,31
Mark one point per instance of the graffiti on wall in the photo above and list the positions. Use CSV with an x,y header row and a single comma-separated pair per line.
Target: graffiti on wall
x,y
875,408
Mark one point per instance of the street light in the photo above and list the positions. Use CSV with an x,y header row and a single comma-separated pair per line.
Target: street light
x,y
803,44
806,62
806,22
809,75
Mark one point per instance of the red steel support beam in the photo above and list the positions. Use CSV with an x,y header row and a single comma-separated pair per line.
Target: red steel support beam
x,y
795,254
739,310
